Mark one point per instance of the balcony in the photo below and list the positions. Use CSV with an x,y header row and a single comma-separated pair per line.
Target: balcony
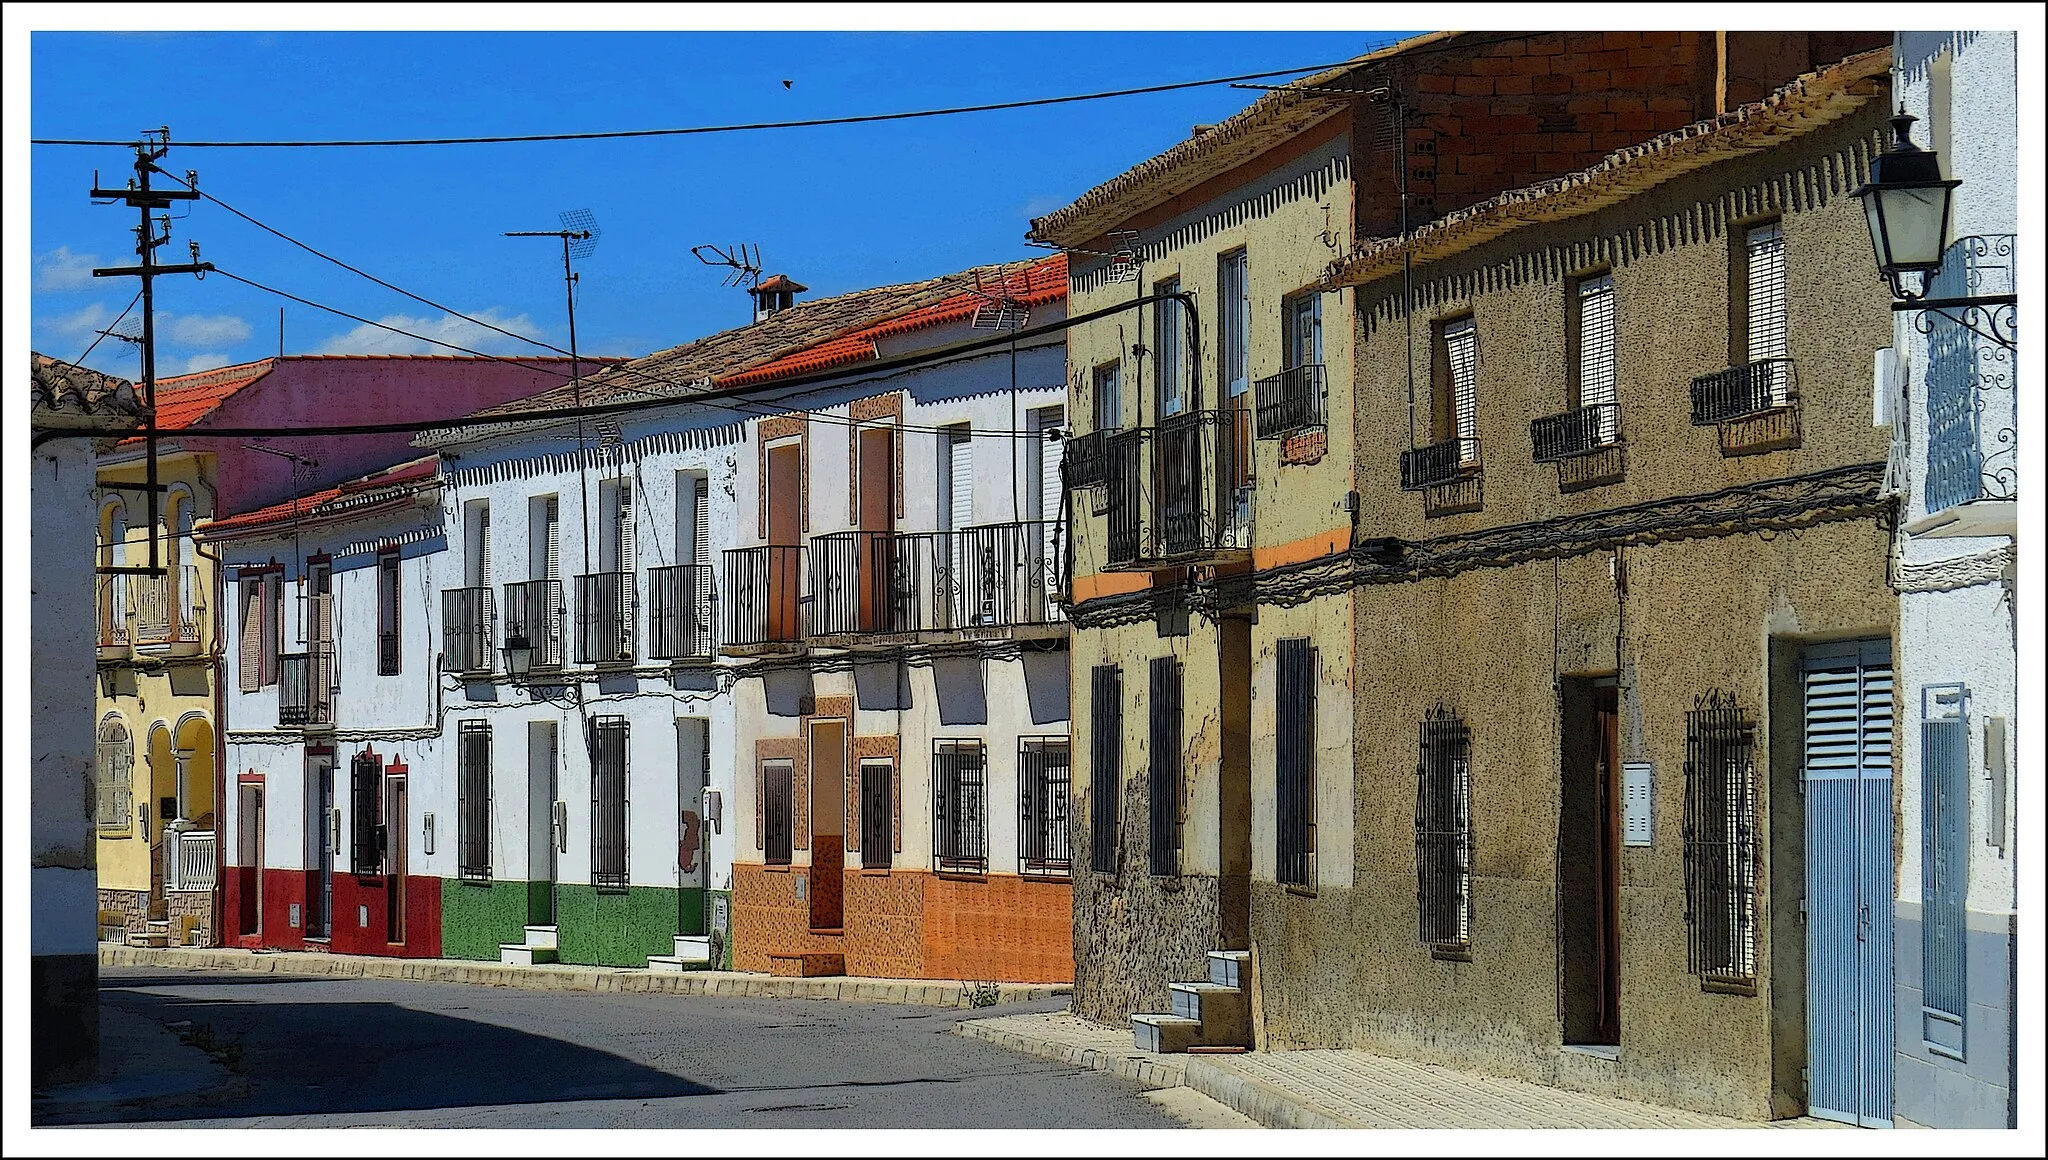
x,y
605,618
762,591
189,858
305,689
533,614
1291,401
1971,482
166,610
1084,459
1740,392
1180,492
1576,432
679,612
1423,468
992,576
468,631
113,616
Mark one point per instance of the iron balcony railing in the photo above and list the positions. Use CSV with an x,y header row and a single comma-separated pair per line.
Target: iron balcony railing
x,y
679,612
1181,490
1426,467
533,616
1576,432
1084,459
468,630
1749,389
604,618
762,594
114,611
987,576
1972,416
1290,401
305,688
167,607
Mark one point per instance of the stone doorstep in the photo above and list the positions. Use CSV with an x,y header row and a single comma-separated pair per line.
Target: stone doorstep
x,y
575,977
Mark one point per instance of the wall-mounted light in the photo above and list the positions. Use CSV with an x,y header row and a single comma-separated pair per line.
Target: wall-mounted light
x,y
1906,205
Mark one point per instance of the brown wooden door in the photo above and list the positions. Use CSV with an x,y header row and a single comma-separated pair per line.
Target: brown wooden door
x,y
785,534
1607,862
828,814
875,554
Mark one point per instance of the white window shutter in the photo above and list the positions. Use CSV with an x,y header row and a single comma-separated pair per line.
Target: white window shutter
x,y
250,659
483,547
1051,453
554,539
700,522
960,479
626,560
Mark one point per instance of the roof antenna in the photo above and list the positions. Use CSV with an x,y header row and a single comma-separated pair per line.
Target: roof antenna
x,y
744,259
1123,258
1002,307
579,234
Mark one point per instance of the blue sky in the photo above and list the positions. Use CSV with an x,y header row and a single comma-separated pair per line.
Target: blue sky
x,y
837,208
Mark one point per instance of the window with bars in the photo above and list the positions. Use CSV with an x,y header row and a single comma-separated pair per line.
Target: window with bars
x,y
1443,833
1108,395
1295,762
113,779
1105,764
473,800
1165,768
1593,358
1043,784
959,802
777,819
366,813
608,802
1169,331
877,813
387,613
1721,843
1944,852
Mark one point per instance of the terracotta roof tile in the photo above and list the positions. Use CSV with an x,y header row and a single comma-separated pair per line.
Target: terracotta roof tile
x,y
387,483
64,394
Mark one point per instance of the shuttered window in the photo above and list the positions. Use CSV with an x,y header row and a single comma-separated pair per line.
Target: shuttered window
x,y
1294,754
1169,332
272,630
1944,854
473,800
1304,320
776,819
476,564
113,779
1234,300
877,813
1594,375
1109,398
249,655
959,804
1043,787
1443,832
608,802
388,652
1105,765
1722,850
627,555
366,823
700,521
552,530
1764,304
958,478
1461,369
1166,765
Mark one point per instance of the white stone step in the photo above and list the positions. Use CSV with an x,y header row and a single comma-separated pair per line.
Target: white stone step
x,y
1224,1012
1230,968
1166,1034
694,947
675,964
522,955
541,936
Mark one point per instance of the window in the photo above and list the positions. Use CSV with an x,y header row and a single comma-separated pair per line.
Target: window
x,y
476,543
366,817
1234,300
1105,764
1165,754
1109,400
1303,316
544,538
1944,857
1295,752
775,820
608,802
1455,377
262,629
959,801
387,613
1593,353
1169,330
473,800
114,779
616,548
1762,295
1042,794
877,813
956,478
1443,833
1721,847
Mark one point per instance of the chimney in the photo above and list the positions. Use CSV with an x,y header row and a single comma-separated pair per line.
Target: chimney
x,y
775,294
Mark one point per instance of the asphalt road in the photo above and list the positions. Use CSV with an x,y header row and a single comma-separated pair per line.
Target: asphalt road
x,y
331,1052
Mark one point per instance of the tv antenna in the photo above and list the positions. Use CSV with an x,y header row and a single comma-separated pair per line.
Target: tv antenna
x,y
744,260
579,234
1001,307
1123,258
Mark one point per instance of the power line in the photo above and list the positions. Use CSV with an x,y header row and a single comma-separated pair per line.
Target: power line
x,y
819,122
79,362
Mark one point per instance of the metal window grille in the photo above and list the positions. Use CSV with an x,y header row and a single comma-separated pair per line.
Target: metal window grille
x,y
959,801
777,787
1722,850
1295,761
1165,755
1105,764
608,802
1749,389
1290,401
1577,432
366,828
1944,848
1443,831
468,630
1043,785
877,812
1168,330
679,611
473,800
763,594
604,618
1109,407
1595,379
387,614
113,780
533,614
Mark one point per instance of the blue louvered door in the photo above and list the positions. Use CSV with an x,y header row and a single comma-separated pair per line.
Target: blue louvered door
x,y
1848,779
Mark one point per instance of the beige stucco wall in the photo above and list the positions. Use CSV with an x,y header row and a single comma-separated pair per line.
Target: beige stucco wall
x,y
1727,611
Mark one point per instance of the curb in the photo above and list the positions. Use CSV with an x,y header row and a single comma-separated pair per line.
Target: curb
x,y
1140,1067
1269,1104
721,984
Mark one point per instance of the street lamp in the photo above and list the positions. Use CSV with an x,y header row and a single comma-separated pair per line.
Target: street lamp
x,y
518,657
1906,204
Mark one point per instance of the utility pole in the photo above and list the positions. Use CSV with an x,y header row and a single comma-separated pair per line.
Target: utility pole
x,y
138,194
579,238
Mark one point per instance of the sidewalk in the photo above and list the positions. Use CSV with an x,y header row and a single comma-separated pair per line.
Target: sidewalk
x,y
142,1064
1338,1089
569,977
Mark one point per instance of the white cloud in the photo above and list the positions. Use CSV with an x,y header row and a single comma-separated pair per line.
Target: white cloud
x,y
79,323
60,270
210,330
367,339
166,368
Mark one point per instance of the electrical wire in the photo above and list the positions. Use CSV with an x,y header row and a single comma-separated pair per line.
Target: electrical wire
x,y
79,362
819,122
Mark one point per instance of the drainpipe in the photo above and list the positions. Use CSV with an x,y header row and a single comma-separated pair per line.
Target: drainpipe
x,y
217,676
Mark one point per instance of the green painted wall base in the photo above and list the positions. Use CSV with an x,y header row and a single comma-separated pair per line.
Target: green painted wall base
x,y
615,928
477,916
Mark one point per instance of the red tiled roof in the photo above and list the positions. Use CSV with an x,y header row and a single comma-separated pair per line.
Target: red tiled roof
x,y
1042,282
387,483
183,400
